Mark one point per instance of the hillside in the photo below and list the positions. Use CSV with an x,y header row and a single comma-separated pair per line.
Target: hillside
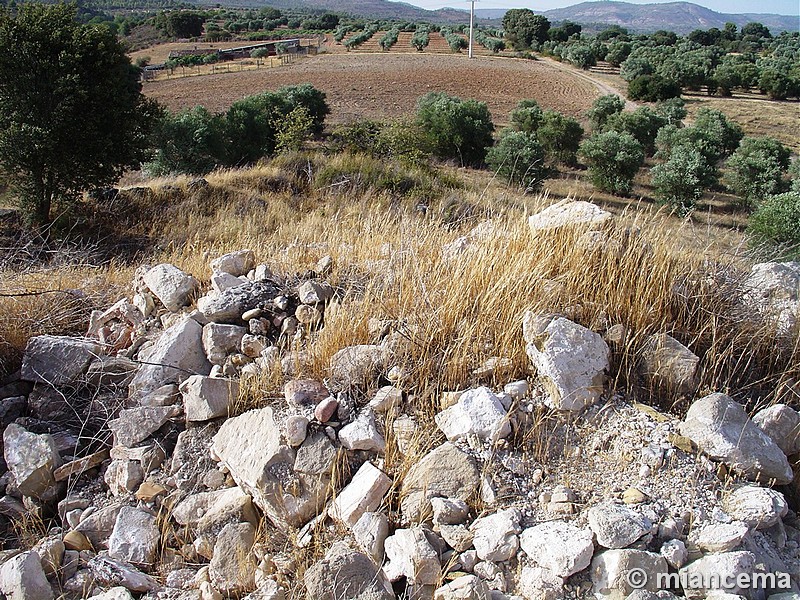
x,y
378,9
680,17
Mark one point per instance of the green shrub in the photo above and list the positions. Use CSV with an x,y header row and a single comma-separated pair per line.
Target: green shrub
x,y
293,129
191,141
459,129
389,38
613,159
456,42
518,158
603,108
560,137
794,175
776,224
653,88
679,181
756,169
527,116
642,123
673,110
403,141
421,38
359,136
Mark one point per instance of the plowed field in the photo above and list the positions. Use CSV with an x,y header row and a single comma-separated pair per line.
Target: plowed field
x,y
387,85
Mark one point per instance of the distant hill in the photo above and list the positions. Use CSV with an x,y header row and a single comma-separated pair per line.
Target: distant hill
x,y
376,9
680,17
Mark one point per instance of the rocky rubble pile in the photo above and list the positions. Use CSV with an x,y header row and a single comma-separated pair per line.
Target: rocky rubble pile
x,y
548,487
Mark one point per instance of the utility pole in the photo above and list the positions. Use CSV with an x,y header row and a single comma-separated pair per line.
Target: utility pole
x,y
471,25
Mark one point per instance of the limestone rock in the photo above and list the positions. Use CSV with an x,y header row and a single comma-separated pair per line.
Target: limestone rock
x,y
115,593
495,535
411,555
718,568
304,393
230,305
358,365
665,361
206,398
478,412
386,398
445,471
571,362
314,292
135,536
22,578
720,427
295,430
236,263
559,547
316,455
221,340
370,533
363,494
610,571
466,587
97,526
51,553
233,565
123,476
458,537
32,459
112,572
345,573
758,507
134,425
674,551
176,354
782,424
536,583
773,289
57,360
569,213
616,526
362,434
720,537
449,511
250,447
170,285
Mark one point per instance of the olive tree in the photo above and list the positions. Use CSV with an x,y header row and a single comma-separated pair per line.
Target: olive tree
x,y
614,159
72,115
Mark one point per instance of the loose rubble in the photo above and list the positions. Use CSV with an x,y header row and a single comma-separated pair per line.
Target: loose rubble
x,y
548,486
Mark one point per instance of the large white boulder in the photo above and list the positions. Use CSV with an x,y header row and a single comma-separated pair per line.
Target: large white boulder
x,y
666,362
22,578
758,507
32,458
495,536
235,263
773,290
411,556
782,424
569,213
206,398
714,571
561,548
617,573
176,354
720,427
250,447
170,285
615,525
478,412
135,537
571,362
363,494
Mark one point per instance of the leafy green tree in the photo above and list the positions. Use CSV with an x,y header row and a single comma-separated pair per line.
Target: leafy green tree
x,y
776,224
183,24
717,136
421,38
560,137
564,31
581,55
757,167
653,88
191,141
672,110
680,180
603,108
311,98
456,128
756,29
72,115
794,175
518,158
527,116
524,29
642,123
618,52
613,159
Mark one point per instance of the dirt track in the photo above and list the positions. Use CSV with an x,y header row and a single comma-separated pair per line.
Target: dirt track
x,y
386,85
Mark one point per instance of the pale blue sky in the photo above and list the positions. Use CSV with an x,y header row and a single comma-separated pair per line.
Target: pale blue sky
x,y
780,7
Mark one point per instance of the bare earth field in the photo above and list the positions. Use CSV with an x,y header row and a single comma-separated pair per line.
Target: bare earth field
x,y
386,85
